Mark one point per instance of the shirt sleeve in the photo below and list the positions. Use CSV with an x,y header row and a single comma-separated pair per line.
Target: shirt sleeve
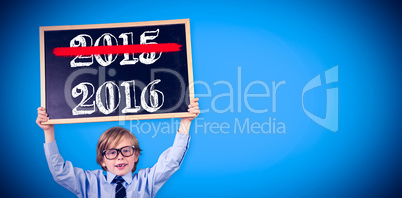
x,y
63,172
168,162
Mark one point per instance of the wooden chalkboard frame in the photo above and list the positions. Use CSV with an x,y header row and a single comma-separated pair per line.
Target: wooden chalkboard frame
x,y
190,90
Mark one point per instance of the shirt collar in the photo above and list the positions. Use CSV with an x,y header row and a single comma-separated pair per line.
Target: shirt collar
x,y
127,178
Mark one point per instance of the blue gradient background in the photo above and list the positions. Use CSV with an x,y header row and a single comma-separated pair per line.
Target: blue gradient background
x,y
266,41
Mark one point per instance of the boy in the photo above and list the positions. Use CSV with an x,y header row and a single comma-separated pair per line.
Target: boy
x,y
117,153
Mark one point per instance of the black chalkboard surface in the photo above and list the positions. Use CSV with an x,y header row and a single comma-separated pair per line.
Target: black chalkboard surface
x,y
110,72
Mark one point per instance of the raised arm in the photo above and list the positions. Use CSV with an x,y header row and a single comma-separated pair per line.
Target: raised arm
x,y
171,159
74,179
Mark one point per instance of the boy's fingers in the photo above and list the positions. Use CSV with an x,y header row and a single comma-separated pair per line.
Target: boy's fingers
x,y
195,111
41,109
39,122
42,118
42,113
193,105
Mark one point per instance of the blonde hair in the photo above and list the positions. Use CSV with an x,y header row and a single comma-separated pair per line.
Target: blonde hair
x,y
111,138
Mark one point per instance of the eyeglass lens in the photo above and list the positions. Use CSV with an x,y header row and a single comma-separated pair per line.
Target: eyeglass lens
x,y
126,151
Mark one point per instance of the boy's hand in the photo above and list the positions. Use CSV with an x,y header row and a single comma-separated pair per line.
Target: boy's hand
x,y
193,108
186,122
42,117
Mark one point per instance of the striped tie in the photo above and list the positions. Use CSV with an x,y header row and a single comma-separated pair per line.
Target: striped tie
x,y
120,190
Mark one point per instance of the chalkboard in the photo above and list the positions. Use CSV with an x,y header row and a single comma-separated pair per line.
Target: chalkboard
x,y
113,72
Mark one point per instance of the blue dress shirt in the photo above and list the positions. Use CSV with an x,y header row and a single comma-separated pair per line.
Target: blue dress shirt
x,y
145,183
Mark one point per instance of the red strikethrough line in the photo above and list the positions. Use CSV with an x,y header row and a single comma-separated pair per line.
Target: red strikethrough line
x,y
116,49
